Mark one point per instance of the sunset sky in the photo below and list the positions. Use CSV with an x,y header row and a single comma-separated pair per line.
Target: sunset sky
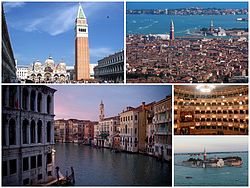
x,y
184,144
82,102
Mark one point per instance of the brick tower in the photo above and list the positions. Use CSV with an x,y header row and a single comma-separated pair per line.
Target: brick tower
x,y
81,46
171,30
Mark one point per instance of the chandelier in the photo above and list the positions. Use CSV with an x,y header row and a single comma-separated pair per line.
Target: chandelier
x,y
205,88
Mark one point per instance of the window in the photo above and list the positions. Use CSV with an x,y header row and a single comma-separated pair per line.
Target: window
x,y
49,158
25,131
135,117
25,163
13,166
39,131
33,132
48,104
12,132
12,96
39,160
25,99
33,162
48,131
135,130
32,100
39,102
40,176
4,168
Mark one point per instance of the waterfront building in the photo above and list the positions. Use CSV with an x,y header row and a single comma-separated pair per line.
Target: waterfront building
x,y
111,68
48,72
163,128
22,72
172,30
89,132
8,59
129,121
209,109
81,46
28,156
91,70
107,130
71,130
146,115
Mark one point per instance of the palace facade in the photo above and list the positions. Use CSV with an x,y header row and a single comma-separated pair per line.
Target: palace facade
x,y
28,155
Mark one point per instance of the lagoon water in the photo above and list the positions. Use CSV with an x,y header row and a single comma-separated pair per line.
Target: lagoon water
x,y
184,25
102,167
235,176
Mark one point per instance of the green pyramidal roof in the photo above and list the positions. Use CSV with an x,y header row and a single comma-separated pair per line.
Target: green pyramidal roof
x,y
80,13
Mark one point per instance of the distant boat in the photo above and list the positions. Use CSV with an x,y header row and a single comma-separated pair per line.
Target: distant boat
x,y
189,177
242,19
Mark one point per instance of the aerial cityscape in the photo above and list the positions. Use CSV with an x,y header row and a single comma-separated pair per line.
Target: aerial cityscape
x,y
71,50
202,161
50,142
209,47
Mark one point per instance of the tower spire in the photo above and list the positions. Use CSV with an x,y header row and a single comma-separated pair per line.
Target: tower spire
x,y
80,12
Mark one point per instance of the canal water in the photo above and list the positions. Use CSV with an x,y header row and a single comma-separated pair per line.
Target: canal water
x,y
102,167
226,176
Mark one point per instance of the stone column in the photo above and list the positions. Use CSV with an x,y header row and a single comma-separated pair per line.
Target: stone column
x,y
52,105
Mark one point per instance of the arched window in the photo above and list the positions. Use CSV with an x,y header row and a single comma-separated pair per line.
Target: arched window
x,y
32,100
48,131
25,98
33,132
39,102
48,104
12,96
12,132
25,131
126,129
39,131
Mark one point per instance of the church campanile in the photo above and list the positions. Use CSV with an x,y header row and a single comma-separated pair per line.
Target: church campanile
x,y
81,46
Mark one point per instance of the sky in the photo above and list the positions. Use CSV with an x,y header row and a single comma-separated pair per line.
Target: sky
x,y
82,102
175,5
183,144
42,29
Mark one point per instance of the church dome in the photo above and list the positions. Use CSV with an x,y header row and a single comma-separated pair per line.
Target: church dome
x,y
49,62
49,65
37,65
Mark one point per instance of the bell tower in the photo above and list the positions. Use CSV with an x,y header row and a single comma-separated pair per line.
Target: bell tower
x,y
81,46
101,111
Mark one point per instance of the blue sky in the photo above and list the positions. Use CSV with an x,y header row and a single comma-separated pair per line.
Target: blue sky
x,y
183,144
82,102
38,30
175,5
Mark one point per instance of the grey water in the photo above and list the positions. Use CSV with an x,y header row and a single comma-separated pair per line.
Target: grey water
x,y
101,167
226,176
184,24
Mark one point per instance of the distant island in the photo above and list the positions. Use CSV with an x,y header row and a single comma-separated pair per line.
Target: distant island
x,y
191,11
216,162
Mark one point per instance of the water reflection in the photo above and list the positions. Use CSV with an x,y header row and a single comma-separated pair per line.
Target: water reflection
x,y
102,167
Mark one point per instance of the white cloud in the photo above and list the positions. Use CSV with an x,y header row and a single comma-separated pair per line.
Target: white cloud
x,y
100,52
9,6
57,21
